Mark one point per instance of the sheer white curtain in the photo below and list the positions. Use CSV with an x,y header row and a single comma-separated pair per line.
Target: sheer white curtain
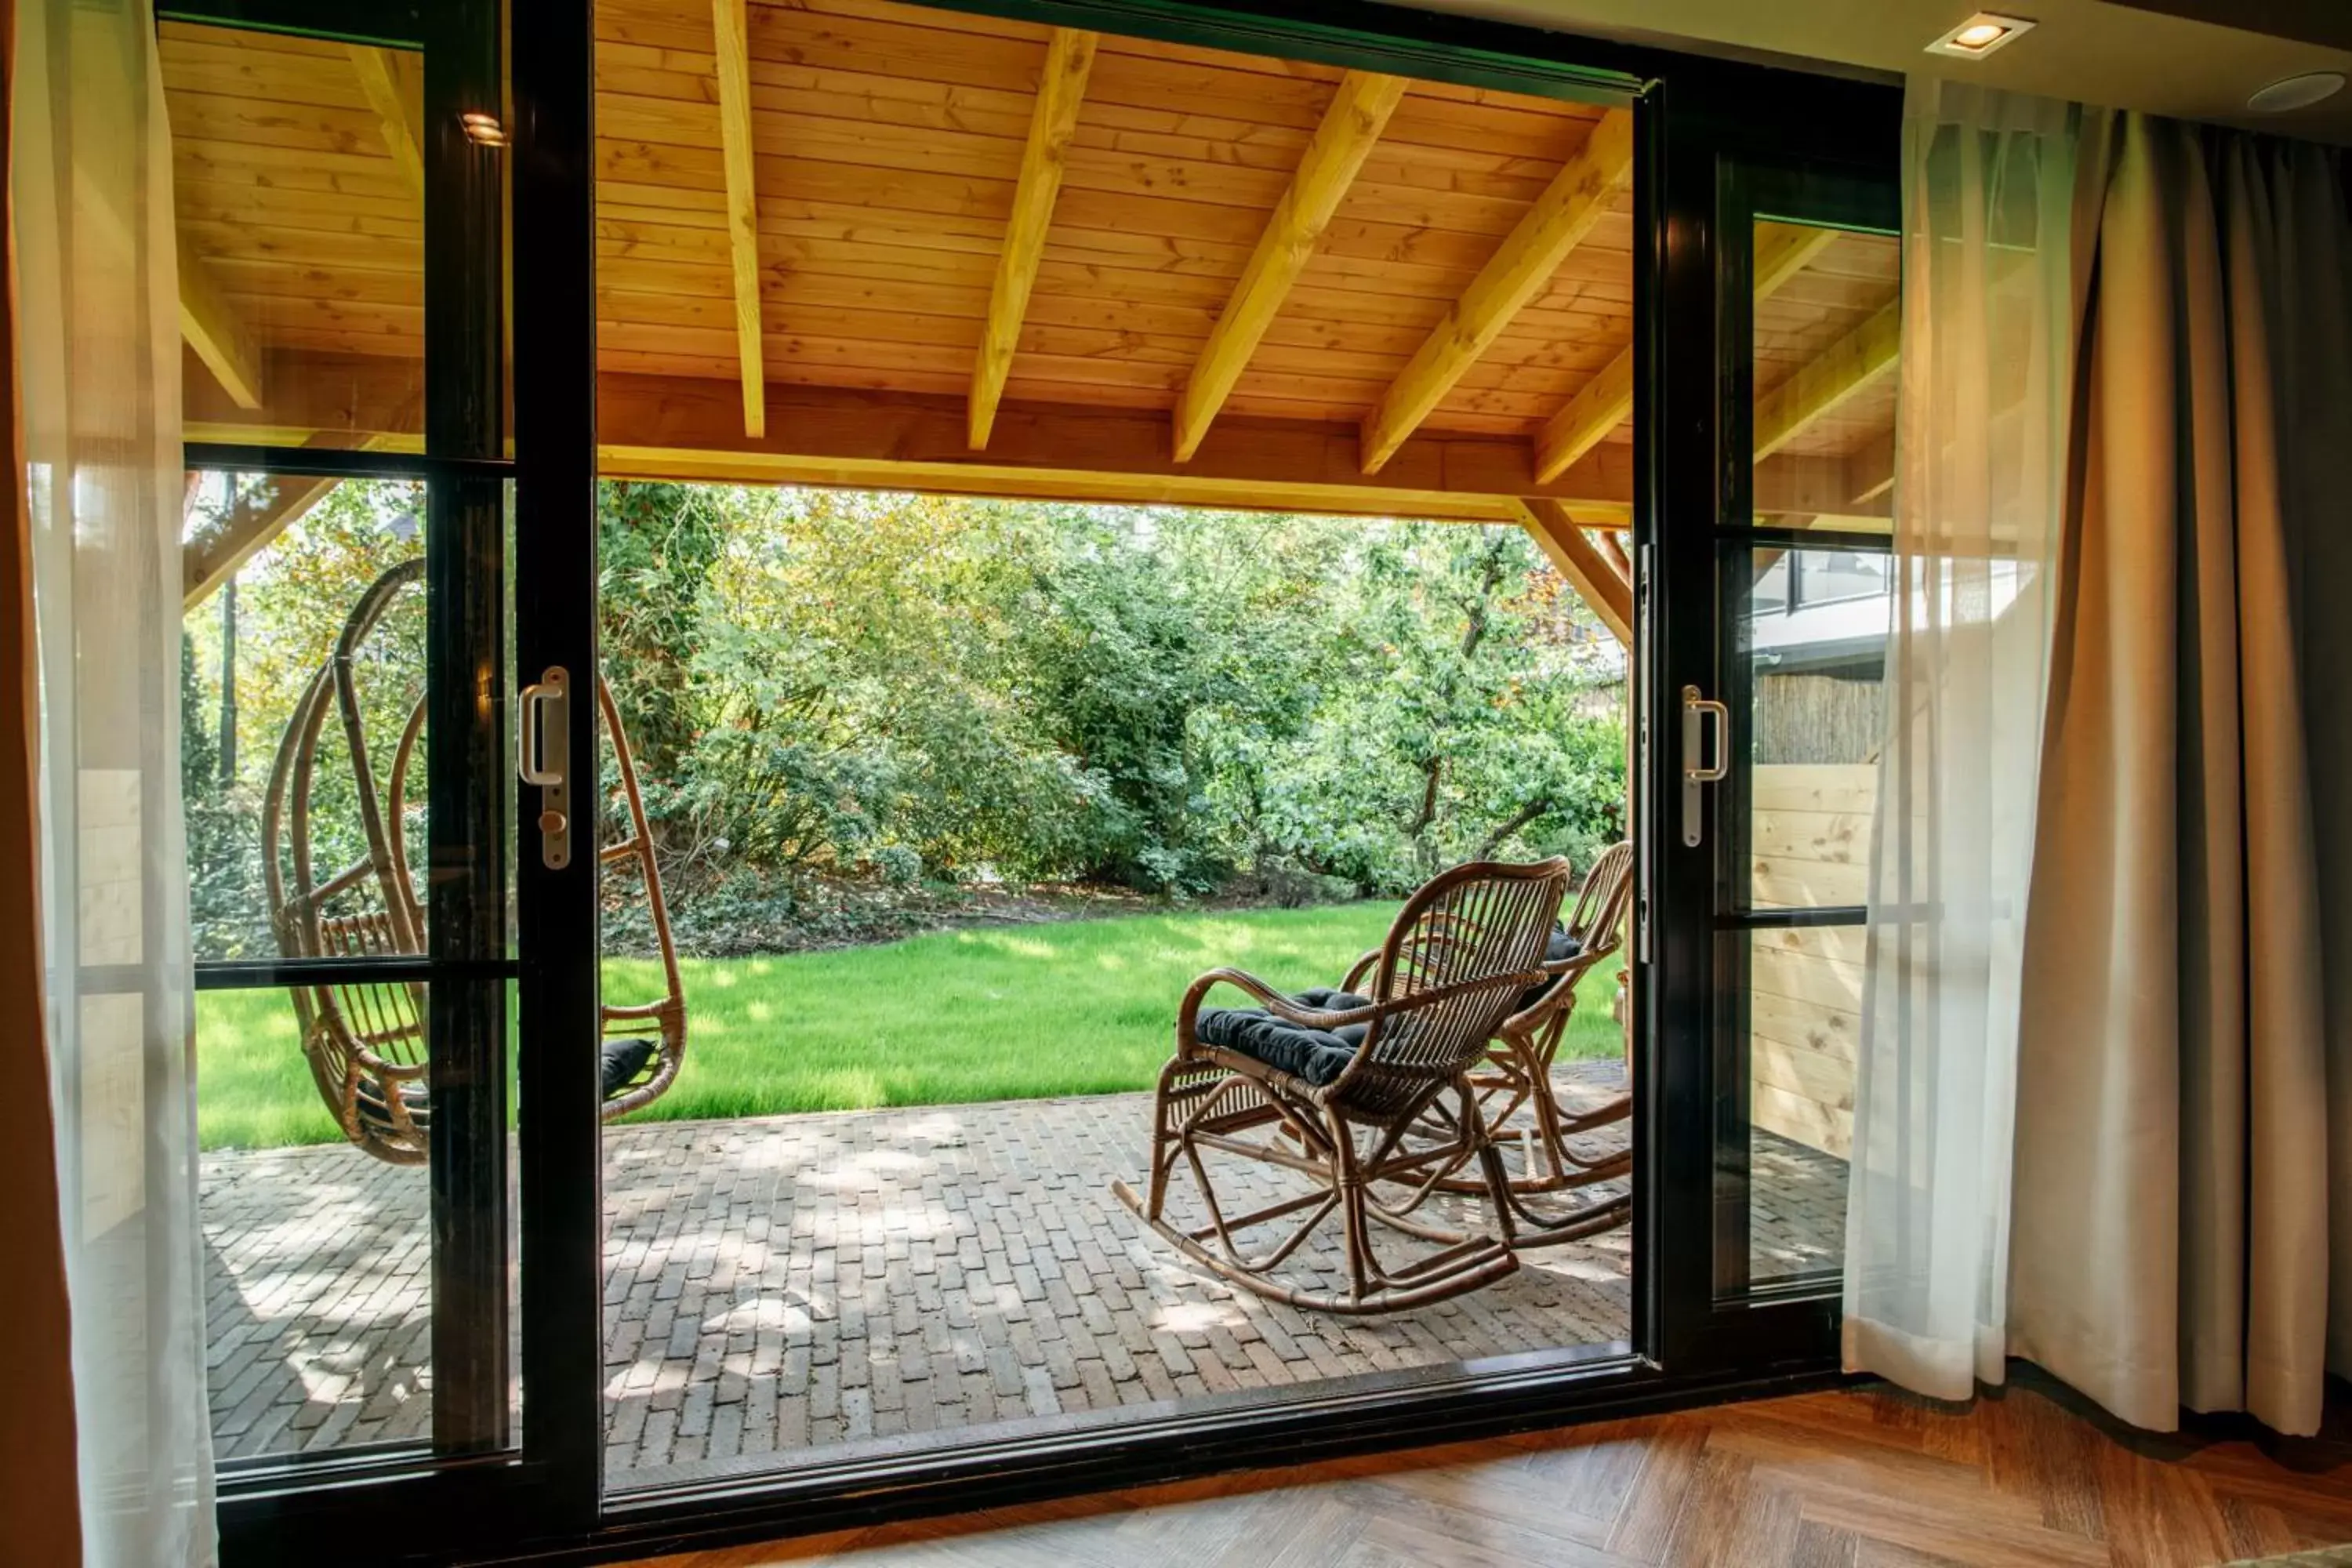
x,y
98,354
1987,318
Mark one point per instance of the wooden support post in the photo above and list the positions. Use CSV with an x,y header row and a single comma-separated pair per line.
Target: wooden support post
x,y
1359,111
732,24
1557,222
208,562
1061,87
1588,571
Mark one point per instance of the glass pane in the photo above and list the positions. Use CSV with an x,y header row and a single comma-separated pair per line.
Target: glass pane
x,y
1812,637
1827,329
317,1255
1804,1000
300,188
302,844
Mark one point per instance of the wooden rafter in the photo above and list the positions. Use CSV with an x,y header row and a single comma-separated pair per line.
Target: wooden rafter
x,y
390,80
1821,384
1359,111
1601,405
1554,226
1587,568
731,27
1054,115
211,327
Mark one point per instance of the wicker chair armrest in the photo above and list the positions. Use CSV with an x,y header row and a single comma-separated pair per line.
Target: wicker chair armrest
x,y
1275,1003
1359,969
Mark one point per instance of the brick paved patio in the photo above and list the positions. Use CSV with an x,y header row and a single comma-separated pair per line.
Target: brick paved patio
x,y
785,1283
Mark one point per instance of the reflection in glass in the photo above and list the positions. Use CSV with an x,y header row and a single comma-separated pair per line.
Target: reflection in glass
x,y
1804,1001
318,1276
1813,637
277,569
1826,344
299,183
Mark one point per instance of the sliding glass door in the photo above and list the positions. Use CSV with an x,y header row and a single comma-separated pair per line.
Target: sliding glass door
x,y
1764,734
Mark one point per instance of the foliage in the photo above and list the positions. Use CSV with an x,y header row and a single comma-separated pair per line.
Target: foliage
x,y
843,705
943,1019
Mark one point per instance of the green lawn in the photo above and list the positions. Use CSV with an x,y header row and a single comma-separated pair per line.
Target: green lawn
x,y
998,1012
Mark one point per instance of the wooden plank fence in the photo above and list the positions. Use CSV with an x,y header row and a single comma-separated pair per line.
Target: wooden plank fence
x,y
1809,841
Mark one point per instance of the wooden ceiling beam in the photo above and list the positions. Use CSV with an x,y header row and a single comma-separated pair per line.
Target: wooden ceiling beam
x,y
677,427
1052,116
1821,384
1783,251
1359,111
1587,568
211,327
731,27
391,81
1601,405
1555,224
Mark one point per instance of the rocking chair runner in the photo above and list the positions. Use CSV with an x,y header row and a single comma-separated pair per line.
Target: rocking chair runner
x,y
1538,1152
1462,952
365,1040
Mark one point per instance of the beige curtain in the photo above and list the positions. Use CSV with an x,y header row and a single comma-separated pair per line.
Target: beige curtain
x,y
2184,1093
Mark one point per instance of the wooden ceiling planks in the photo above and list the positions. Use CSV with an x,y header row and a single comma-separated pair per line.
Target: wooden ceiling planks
x,y
884,151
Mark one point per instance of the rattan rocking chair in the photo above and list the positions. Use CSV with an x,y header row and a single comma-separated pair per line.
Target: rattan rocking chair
x,y
1531,1131
1460,955
365,1041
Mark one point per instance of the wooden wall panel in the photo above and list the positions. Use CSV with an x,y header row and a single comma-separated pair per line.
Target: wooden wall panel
x,y
1811,834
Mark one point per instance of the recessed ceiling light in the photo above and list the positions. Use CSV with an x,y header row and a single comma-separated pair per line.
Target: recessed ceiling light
x,y
2288,94
1979,36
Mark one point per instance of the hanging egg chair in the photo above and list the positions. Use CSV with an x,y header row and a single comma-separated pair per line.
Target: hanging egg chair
x,y
352,894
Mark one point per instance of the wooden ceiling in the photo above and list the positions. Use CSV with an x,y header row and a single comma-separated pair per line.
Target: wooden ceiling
x,y
861,242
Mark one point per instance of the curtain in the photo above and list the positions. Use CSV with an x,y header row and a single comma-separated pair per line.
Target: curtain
x,y
98,353
1988,312
2183,1062
36,1419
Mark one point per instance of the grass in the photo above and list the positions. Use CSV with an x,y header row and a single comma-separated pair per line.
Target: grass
x,y
993,1013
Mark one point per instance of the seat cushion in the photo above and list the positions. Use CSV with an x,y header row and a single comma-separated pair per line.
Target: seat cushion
x,y
1558,948
623,1060
1317,1055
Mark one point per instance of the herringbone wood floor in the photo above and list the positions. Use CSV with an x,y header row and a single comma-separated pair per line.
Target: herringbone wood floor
x,y
1865,1480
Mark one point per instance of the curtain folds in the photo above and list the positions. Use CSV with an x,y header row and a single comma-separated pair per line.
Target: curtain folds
x,y
98,355
1988,329
2183,1062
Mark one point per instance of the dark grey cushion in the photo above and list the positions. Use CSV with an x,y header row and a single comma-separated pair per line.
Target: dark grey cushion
x,y
623,1059
1318,1056
1557,949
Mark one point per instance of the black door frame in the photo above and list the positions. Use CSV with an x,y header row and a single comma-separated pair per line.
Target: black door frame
x,y
1697,119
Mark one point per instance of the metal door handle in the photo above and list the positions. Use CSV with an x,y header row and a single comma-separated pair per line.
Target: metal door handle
x,y
1696,770
551,690
542,748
